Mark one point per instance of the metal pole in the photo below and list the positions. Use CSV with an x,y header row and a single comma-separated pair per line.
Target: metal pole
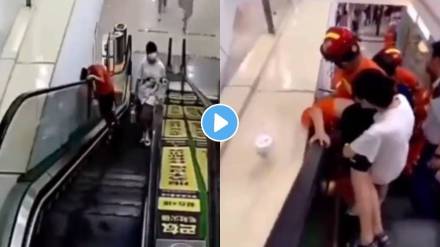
x,y
28,3
268,14
170,54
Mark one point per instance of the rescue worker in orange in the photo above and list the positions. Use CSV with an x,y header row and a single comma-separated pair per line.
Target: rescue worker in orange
x,y
341,47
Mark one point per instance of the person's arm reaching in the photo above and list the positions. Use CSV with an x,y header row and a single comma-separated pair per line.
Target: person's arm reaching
x,y
322,114
320,134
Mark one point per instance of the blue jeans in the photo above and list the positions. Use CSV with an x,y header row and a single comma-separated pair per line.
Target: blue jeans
x,y
425,189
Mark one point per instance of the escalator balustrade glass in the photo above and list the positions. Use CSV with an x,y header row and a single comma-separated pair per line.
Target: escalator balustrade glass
x,y
36,132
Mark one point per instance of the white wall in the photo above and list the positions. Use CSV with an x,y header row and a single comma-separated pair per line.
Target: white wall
x,y
78,46
8,11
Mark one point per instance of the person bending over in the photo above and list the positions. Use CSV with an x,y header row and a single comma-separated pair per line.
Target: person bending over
x,y
104,92
378,155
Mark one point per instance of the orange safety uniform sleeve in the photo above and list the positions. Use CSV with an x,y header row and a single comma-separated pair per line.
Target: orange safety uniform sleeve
x,y
327,106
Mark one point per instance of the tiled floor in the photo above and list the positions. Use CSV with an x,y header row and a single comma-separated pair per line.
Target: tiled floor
x,y
269,97
202,34
254,188
143,23
34,48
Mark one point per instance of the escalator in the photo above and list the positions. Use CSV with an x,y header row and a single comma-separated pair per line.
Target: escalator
x,y
327,223
76,188
103,205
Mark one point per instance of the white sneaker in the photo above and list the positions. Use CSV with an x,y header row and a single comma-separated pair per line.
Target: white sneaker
x,y
147,141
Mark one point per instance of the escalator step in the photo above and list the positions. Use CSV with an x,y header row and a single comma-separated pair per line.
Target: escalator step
x,y
86,188
117,176
122,199
91,230
109,182
72,207
115,210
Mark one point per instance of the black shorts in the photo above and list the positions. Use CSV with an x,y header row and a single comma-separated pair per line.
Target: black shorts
x,y
360,163
146,113
106,103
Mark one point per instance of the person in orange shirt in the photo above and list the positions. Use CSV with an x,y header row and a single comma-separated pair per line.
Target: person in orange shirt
x,y
104,91
341,47
390,60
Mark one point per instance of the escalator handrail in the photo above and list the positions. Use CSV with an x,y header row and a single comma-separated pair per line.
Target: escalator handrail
x,y
21,99
149,229
205,100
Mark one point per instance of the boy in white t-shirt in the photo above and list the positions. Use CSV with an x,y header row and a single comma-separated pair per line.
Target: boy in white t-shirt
x,y
378,156
150,89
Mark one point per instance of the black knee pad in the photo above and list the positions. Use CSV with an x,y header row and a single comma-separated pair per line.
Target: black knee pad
x,y
360,163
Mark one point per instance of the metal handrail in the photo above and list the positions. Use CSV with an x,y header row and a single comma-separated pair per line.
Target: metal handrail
x,y
213,165
148,230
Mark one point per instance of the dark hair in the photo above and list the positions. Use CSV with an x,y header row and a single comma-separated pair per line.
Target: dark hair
x,y
83,74
386,65
436,49
151,47
375,87
354,121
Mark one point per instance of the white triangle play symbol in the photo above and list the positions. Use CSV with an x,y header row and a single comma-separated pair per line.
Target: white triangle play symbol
x,y
219,122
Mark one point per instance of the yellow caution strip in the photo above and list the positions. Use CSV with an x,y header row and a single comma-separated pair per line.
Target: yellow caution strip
x,y
179,204
174,111
174,128
177,172
189,97
196,130
175,96
193,112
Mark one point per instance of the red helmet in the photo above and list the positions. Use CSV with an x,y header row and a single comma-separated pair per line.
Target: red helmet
x,y
388,59
340,45
392,55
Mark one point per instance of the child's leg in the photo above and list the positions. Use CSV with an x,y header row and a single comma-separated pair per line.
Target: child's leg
x,y
376,200
362,184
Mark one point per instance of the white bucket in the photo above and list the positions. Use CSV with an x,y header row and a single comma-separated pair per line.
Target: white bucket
x,y
263,143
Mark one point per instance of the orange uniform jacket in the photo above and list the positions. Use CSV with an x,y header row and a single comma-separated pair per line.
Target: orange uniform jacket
x,y
342,80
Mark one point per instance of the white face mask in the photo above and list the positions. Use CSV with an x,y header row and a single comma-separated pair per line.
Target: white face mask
x,y
152,56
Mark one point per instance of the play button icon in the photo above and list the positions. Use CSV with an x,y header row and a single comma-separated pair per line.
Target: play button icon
x,y
219,122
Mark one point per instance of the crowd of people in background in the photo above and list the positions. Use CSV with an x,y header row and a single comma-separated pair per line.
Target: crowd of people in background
x,y
388,122
367,15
